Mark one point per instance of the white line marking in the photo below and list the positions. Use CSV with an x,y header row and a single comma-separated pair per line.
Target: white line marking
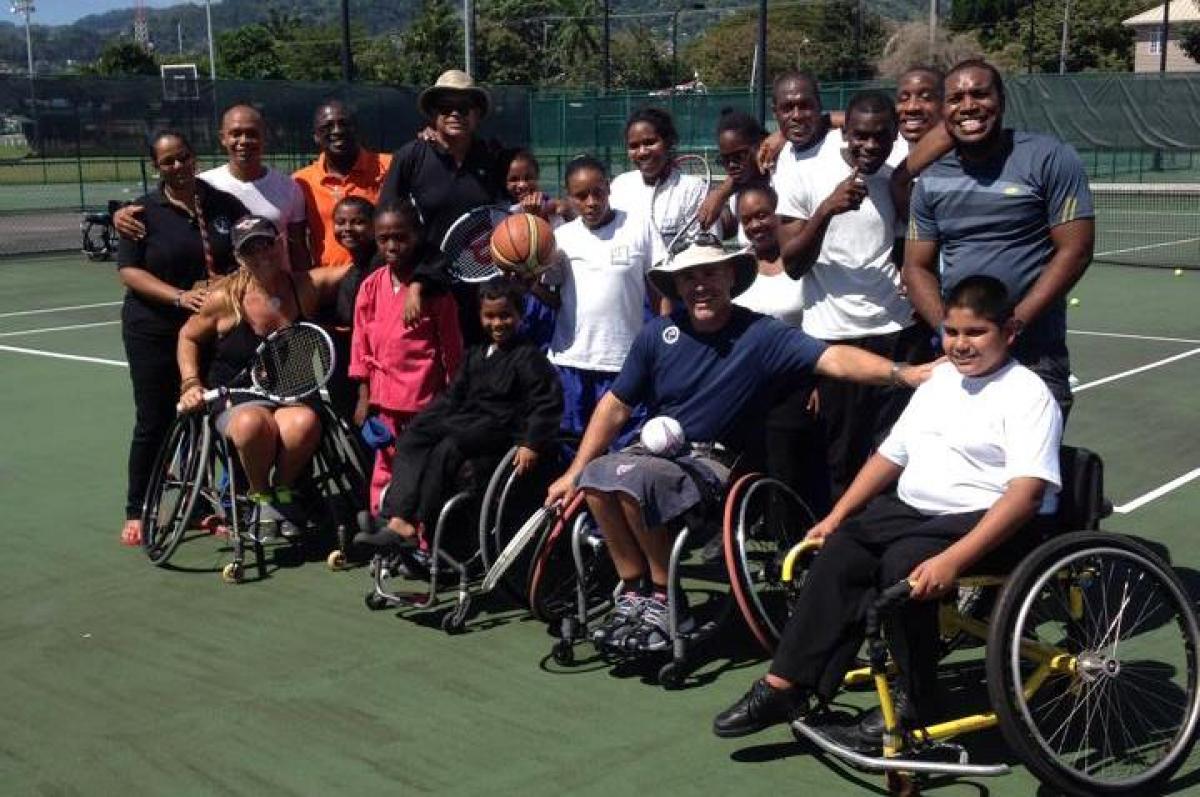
x,y
57,356
1132,371
1157,492
57,329
1131,337
1180,242
58,309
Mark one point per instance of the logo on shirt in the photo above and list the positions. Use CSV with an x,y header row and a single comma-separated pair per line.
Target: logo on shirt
x,y
670,335
623,468
220,225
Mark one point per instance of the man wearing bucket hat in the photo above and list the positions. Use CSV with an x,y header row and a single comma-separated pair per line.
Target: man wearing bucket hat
x,y
449,172
709,367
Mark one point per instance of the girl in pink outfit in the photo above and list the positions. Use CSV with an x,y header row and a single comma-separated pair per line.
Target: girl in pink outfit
x,y
401,367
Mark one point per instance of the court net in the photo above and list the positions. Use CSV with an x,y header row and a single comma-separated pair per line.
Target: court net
x,y
1148,224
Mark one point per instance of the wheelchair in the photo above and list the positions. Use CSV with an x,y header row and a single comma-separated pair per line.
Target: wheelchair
x,y
194,491
572,582
1089,656
496,509
99,235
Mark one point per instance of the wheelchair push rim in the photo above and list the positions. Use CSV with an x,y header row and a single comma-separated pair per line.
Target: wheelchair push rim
x,y
179,470
1116,632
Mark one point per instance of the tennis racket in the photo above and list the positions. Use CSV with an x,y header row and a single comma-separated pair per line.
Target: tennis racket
x,y
675,204
467,244
519,542
292,363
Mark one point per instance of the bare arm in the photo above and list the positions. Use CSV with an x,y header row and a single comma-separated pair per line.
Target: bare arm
x,y
800,239
609,417
299,254
1073,246
859,365
325,281
199,330
920,278
716,207
128,223
1020,502
936,142
150,287
877,474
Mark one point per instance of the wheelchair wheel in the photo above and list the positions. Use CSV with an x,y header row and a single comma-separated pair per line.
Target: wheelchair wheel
x,y
175,484
554,574
99,239
763,519
1118,712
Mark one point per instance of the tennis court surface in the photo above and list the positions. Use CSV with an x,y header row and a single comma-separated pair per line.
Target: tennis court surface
x,y
123,678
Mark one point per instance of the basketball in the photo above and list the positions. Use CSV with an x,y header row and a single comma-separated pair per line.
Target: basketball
x,y
663,436
523,243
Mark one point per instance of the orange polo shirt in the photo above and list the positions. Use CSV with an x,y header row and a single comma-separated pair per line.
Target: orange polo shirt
x,y
323,190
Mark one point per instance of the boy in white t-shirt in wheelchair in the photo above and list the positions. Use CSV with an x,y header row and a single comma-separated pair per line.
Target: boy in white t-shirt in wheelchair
x,y
975,460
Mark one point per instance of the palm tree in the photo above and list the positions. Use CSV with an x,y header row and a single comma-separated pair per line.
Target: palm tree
x,y
577,41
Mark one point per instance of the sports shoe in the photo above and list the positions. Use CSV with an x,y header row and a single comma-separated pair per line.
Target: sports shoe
x,y
760,708
621,621
653,632
262,518
291,514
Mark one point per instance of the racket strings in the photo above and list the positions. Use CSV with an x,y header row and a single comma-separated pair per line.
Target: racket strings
x,y
295,363
468,245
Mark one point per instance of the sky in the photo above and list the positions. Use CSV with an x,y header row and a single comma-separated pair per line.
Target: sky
x,y
61,12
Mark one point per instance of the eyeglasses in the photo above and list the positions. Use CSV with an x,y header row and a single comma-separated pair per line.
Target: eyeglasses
x,y
699,239
447,107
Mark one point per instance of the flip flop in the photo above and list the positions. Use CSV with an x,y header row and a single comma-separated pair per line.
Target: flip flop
x,y
131,533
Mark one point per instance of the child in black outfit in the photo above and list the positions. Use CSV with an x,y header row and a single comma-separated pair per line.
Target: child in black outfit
x,y
354,226
505,393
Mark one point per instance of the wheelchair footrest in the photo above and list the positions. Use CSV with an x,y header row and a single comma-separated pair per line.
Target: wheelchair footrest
x,y
803,732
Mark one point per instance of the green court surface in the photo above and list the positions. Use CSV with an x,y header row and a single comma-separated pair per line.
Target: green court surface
x,y
121,678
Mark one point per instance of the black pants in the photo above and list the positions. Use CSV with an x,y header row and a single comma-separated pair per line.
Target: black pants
x,y
858,417
343,391
429,459
155,377
795,450
872,551
1053,366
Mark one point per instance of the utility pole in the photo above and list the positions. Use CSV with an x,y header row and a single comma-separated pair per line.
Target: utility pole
x,y
1162,50
760,62
933,9
468,36
212,50
1062,48
26,9
347,56
607,51
1029,48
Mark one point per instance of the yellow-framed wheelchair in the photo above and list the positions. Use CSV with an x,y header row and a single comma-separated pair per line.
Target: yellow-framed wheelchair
x,y
1090,661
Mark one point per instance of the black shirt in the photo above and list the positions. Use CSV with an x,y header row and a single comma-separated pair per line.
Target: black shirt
x,y
172,251
441,190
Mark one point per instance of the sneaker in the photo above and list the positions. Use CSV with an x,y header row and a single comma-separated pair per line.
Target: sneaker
x,y
621,621
758,709
262,518
653,632
291,515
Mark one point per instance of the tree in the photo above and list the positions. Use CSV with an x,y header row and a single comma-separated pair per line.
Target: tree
x,y
124,59
909,47
1189,40
511,43
639,60
577,47
819,38
431,45
248,53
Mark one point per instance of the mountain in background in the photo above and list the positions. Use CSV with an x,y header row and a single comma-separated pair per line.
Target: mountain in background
x,y
59,48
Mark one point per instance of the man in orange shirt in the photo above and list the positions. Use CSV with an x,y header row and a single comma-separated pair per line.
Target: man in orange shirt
x,y
342,169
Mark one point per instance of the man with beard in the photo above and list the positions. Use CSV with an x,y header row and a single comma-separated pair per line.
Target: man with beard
x,y
1005,203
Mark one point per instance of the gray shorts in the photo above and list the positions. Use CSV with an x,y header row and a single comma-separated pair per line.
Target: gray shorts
x,y
664,488
226,415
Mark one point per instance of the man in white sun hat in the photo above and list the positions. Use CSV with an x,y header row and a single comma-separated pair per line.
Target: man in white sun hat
x,y
709,367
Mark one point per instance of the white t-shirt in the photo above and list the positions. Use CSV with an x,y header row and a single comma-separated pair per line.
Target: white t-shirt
x,y
273,196
793,162
742,240
961,440
682,195
776,295
603,291
899,152
853,290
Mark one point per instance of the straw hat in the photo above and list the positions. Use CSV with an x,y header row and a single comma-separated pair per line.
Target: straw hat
x,y
453,81
745,267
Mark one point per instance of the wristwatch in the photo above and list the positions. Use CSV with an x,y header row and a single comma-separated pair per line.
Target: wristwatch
x,y
179,299
894,374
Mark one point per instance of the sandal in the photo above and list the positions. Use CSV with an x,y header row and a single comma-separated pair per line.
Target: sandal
x,y
131,533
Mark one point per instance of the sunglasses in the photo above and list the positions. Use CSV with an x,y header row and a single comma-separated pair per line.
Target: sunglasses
x,y
699,239
447,107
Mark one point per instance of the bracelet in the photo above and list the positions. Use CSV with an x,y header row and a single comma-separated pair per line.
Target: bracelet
x,y
179,299
894,375
189,383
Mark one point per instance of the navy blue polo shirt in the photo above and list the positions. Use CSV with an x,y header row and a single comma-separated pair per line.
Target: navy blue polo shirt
x,y
172,251
715,384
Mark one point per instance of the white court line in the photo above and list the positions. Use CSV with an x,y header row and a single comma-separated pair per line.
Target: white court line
x,y
1180,242
1132,371
1157,492
57,309
57,329
1131,337
57,356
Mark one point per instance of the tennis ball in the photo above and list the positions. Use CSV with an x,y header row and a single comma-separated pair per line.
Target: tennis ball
x,y
1074,301
1178,272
